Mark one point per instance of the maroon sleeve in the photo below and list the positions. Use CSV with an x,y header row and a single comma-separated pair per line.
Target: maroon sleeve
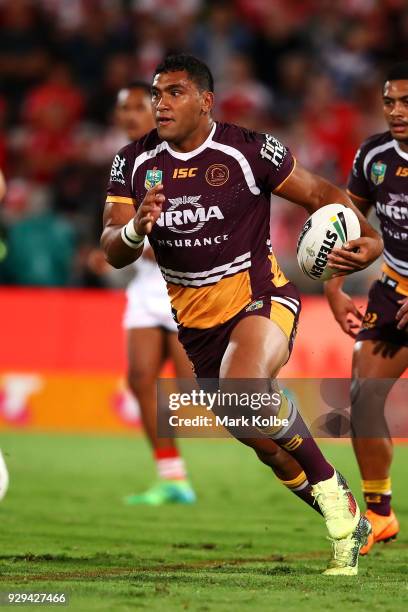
x,y
357,184
271,161
120,189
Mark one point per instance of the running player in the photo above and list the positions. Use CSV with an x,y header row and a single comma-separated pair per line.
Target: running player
x,y
149,323
379,178
201,191
151,331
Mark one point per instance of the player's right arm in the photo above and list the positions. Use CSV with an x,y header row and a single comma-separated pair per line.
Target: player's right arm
x,y
342,306
119,218
126,222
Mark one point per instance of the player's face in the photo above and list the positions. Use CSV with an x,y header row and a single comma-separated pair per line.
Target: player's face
x,y
395,99
134,112
180,109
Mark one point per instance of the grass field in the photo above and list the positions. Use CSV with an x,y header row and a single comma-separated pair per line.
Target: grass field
x,y
246,545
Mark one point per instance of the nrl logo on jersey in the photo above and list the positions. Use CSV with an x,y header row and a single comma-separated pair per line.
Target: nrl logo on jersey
x,y
117,169
187,220
153,177
378,172
254,306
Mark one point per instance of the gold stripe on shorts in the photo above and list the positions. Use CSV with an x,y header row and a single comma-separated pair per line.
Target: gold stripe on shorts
x,y
402,286
283,317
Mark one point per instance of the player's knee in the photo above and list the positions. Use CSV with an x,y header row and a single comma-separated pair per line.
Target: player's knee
x,y
140,380
368,394
368,397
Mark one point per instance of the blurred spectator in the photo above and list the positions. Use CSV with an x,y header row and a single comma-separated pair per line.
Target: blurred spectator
x,y
351,60
24,46
58,94
334,124
67,15
292,78
168,11
118,72
3,246
220,37
88,48
40,244
309,72
279,35
151,47
398,20
51,112
241,99
3,154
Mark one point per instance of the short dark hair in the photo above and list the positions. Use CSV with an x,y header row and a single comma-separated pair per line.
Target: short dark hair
x,y
397,72
197,71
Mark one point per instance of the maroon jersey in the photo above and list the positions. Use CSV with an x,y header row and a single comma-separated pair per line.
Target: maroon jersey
x,y
212,239
380,176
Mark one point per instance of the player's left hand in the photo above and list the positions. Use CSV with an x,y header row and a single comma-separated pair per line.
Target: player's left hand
x,y
355,255
402,314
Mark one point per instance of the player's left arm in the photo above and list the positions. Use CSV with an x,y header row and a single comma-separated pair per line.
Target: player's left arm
x,y
3,187
312,192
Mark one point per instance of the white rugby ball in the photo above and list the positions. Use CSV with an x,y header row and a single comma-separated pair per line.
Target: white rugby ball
x,y
327,229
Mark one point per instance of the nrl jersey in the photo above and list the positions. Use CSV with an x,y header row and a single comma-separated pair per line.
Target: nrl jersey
x,y
380,176
211,240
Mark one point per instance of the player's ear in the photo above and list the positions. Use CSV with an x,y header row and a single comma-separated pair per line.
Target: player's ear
x,y
207,102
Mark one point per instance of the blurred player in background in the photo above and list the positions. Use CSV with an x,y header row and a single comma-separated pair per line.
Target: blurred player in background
x,y
379,179
151,331
4,477
236,311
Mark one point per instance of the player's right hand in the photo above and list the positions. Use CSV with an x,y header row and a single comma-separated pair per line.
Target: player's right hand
x,y
345,311
149,210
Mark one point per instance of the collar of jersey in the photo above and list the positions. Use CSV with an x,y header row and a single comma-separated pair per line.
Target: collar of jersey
x,y
398,149
194,152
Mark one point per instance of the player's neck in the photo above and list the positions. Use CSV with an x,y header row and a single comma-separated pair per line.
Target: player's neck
x,y
403,146
195,139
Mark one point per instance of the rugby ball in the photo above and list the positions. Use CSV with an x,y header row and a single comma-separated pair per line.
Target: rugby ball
x,y
327,229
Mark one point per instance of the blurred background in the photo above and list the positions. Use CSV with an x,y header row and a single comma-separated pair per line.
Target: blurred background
x,y
310,72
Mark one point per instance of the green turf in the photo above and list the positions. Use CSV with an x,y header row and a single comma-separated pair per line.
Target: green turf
x,y
246,545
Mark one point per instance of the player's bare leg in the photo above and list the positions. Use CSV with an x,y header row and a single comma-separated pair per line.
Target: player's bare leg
x,y
384,363
285,468
146,354
257,350
145,347
182,364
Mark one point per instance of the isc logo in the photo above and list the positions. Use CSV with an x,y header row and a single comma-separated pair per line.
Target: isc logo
x,y
180,173
401,171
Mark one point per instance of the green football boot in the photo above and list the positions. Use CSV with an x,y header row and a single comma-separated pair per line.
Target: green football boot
x,y
164,492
